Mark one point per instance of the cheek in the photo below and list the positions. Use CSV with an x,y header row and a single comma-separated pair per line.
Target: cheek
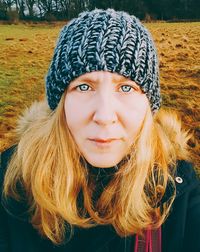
x,y
71,113
76,114
136,115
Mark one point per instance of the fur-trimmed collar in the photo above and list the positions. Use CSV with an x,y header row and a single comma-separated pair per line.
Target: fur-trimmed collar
x,y
37,111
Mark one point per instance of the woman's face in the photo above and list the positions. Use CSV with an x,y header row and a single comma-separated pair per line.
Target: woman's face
x,y
104,112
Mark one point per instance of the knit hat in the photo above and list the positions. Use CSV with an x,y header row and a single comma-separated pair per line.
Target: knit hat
x,y
105,40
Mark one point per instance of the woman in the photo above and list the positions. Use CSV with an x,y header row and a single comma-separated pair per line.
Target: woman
x,y
99,167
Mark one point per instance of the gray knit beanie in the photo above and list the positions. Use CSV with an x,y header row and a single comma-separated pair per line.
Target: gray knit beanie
x,y
105,40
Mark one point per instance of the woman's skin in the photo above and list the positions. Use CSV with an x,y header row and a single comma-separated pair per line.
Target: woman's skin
x,y
102,105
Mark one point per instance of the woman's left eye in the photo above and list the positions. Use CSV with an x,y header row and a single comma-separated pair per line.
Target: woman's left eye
x,y
126,88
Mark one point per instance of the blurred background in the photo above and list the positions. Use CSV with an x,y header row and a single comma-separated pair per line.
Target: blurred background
x,y
28,34
52,10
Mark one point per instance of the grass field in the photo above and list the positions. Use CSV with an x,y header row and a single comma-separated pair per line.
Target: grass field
x,y
26,51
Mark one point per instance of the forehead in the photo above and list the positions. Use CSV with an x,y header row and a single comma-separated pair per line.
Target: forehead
x,y
97,76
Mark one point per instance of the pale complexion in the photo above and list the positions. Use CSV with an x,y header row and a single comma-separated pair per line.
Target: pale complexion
x,y
103,106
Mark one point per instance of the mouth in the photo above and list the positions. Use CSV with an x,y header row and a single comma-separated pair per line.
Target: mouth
x,y
98,140
104,144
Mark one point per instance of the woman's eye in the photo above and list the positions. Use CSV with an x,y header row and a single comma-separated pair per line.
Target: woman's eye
x,y
83,87
126,88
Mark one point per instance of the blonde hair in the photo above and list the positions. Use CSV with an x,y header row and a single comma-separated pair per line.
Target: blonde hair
x,y
47,165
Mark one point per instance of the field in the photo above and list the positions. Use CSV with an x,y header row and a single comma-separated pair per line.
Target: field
x,y
26,51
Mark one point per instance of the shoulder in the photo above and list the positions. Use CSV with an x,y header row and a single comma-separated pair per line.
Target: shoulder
x,y
5,157
15,208
183,222
188,204
187,200
186,169
186,178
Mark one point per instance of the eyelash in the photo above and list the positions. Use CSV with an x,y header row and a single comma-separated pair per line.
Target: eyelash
x,y
131,87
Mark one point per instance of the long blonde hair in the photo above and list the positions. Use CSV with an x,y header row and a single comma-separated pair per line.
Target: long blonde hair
x,y
47,164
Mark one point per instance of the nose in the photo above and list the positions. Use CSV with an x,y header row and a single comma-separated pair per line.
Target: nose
x,y
105,110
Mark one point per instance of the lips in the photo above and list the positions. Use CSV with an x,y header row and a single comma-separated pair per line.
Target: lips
x,y
98,140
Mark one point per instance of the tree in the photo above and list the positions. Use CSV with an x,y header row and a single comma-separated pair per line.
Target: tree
x,y
3,10
30,5
8,4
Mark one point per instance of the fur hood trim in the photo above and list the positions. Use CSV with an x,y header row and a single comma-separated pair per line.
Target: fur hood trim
x,y
37,111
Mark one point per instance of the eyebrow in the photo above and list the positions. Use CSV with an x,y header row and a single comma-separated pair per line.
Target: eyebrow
x,y
120,78
114,79
87,79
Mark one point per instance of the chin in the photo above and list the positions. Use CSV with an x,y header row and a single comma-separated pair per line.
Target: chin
x,y
102,163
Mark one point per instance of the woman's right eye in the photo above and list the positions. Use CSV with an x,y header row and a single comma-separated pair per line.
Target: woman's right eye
x,y
83,87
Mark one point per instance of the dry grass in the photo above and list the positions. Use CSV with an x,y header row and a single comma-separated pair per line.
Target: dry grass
x,y
26,52
179,53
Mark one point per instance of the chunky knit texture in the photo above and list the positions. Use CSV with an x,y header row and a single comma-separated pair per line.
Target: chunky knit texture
x,y
105,40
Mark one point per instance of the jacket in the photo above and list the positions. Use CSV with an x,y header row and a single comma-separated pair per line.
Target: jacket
x,y
180,232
